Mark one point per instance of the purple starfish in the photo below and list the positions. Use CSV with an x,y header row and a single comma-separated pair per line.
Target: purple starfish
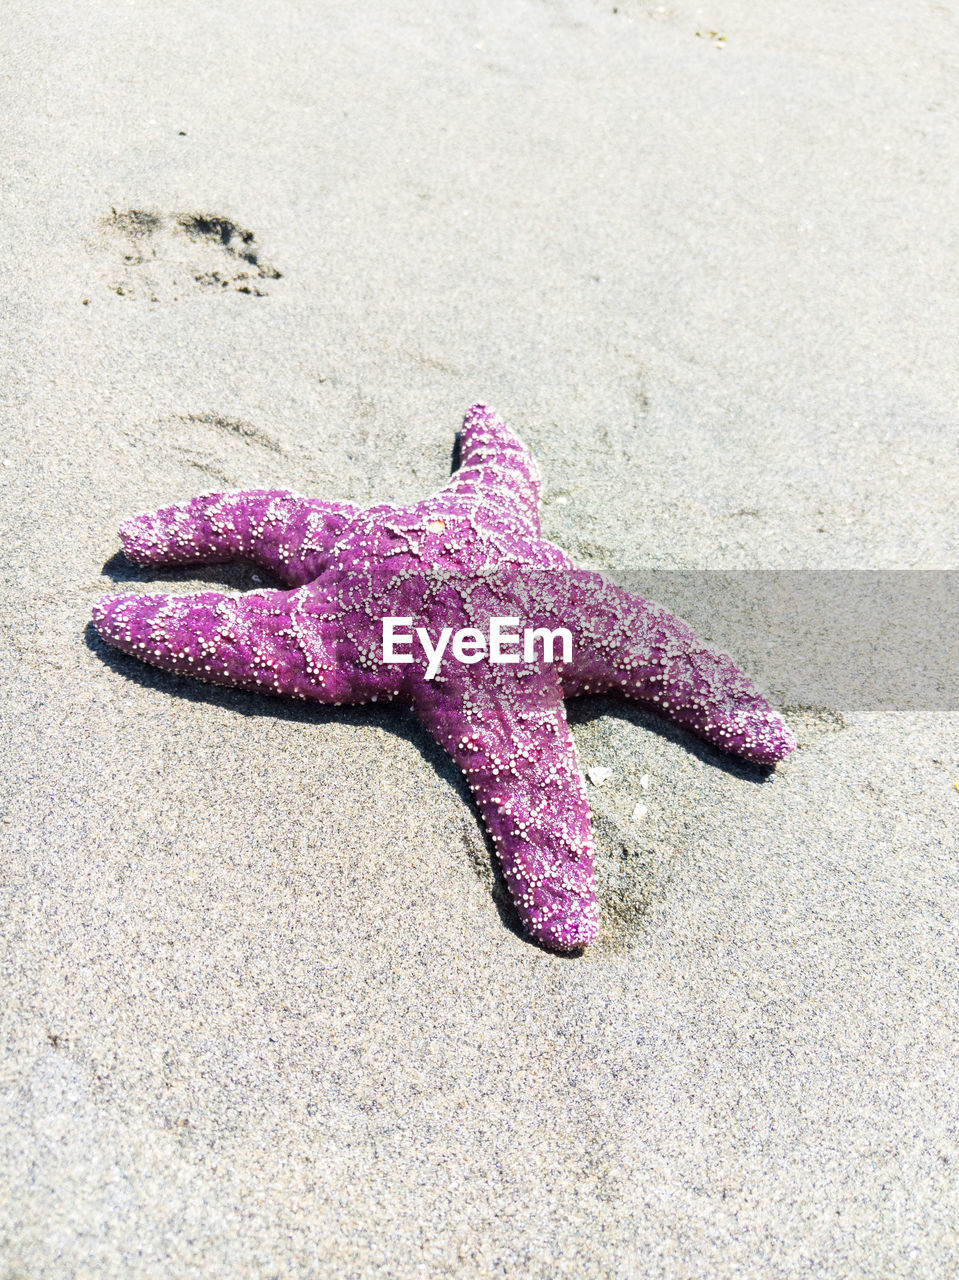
x,y
467,556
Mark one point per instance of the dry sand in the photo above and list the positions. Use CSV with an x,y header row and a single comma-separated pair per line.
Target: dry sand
x,y
262,1013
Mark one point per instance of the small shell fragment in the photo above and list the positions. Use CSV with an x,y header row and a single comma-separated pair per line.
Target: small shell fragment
x,y
598,775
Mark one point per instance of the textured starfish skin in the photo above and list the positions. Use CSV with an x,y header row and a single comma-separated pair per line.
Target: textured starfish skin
x,y
470,552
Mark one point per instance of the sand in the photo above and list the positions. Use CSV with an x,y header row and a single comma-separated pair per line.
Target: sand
x,y
263,1011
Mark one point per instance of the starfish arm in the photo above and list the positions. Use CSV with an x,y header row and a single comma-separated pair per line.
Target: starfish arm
x,y
495,462
511,740
624,643
279,531
279,642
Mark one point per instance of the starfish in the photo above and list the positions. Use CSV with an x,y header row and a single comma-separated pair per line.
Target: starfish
x,y
470,554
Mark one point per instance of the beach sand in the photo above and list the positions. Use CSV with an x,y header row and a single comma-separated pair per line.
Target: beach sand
x,y
264,1011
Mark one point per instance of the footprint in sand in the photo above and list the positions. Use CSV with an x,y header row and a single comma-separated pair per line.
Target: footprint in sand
x,y
165,257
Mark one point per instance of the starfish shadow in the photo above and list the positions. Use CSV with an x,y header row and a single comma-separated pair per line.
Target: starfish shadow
x,y
229,577
586,709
